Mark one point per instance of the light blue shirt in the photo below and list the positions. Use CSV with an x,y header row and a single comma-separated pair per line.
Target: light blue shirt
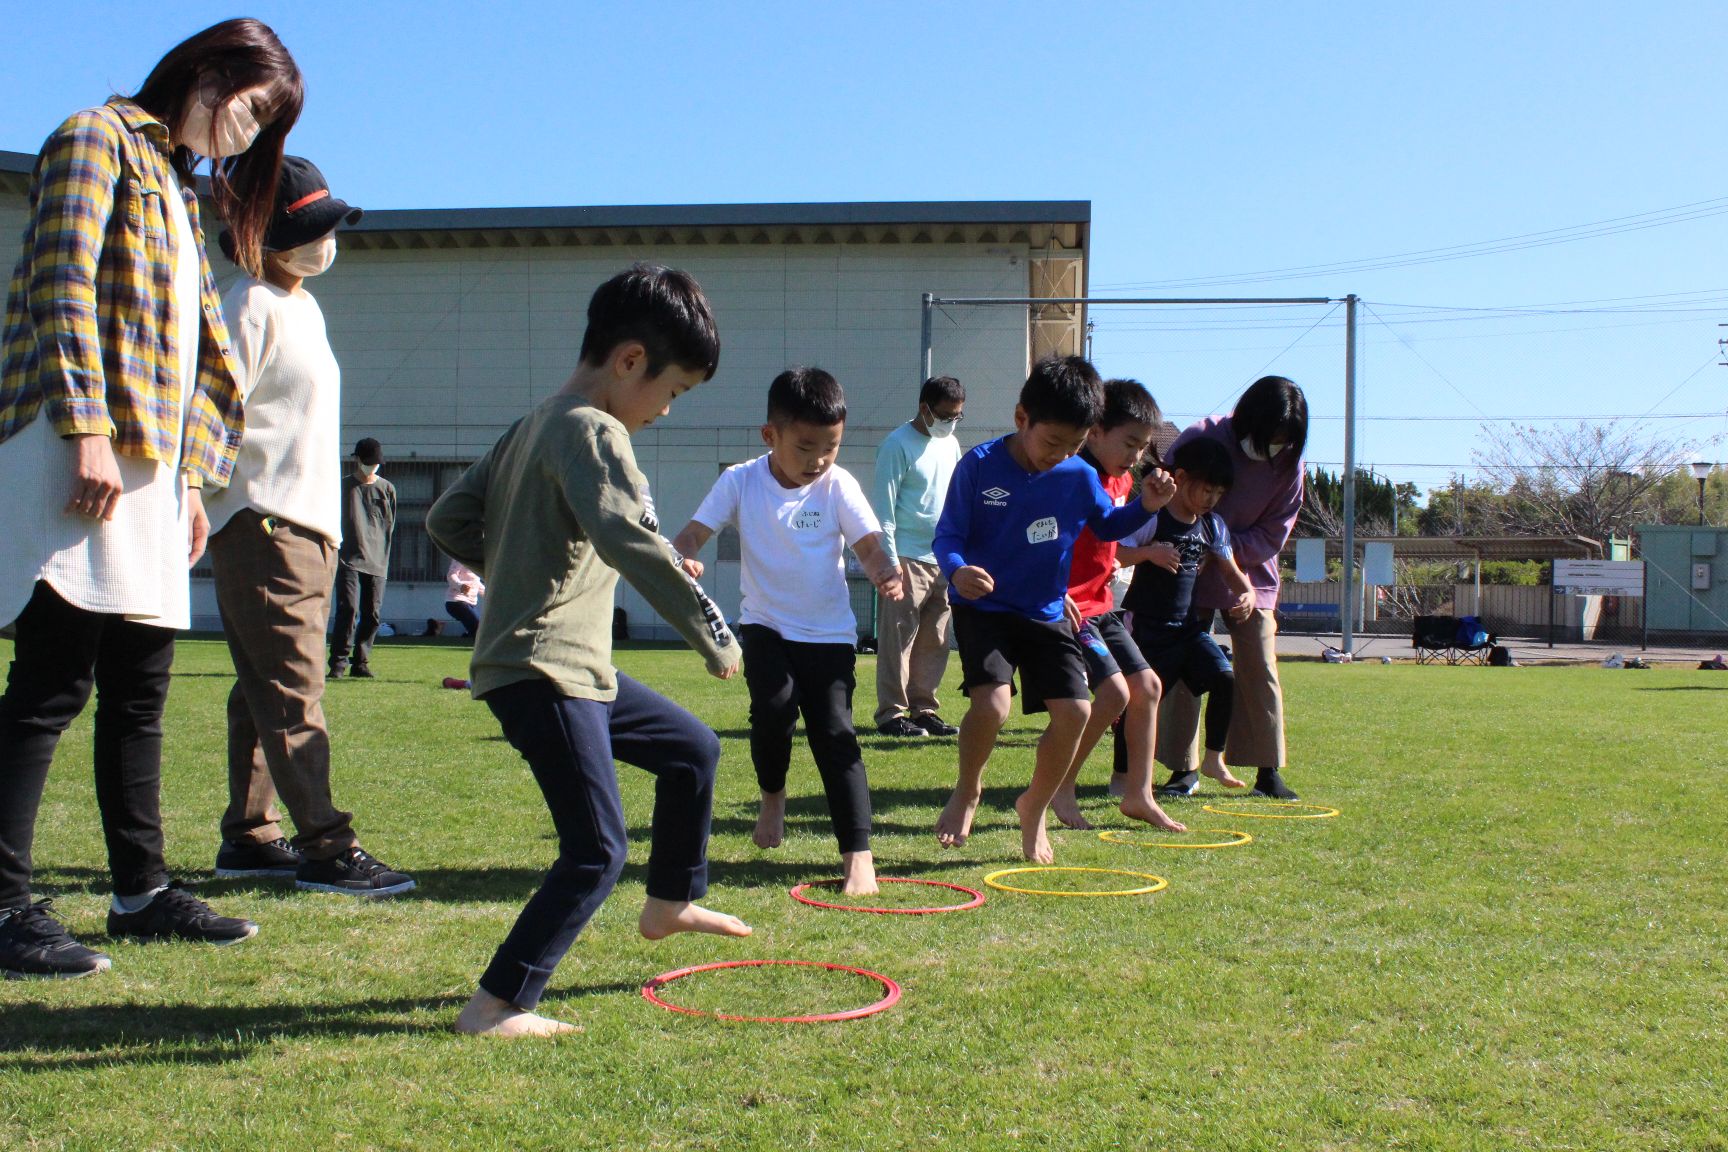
x,y
912,475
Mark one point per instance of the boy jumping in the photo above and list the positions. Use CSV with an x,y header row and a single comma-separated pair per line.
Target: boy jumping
x,y
796,511
1167,554
1005,541
550,516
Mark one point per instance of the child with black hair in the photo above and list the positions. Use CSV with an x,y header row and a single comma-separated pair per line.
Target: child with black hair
x,y
1167,555
1122,682
1015,507
560,495
796,512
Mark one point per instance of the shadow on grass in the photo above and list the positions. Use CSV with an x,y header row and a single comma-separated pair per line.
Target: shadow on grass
x,y
870,741
39,1037
1686,688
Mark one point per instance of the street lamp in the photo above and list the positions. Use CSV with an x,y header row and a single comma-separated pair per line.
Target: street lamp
x,y
1700,472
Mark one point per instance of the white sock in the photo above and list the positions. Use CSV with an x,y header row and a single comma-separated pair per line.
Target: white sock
x,y
134,903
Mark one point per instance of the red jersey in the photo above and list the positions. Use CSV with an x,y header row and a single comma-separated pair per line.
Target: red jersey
x,y
1095,560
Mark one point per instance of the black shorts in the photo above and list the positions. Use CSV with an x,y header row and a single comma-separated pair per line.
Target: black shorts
x,y
1109,649
993,644
1189,656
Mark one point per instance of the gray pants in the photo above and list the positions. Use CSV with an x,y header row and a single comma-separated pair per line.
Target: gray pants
x,y
359,611
912,644
1256,724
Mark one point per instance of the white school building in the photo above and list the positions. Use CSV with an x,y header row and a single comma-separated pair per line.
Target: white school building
x,y
450,323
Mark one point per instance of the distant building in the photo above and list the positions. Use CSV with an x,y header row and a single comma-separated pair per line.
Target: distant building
x,y
449,324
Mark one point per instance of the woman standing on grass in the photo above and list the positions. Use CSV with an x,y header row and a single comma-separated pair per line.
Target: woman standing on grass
x,y
1265,435
118,402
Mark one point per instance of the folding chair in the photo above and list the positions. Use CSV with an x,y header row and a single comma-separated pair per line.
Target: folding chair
x,y
1450,640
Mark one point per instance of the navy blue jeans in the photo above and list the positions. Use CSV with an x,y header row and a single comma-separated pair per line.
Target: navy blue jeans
x,y
570,746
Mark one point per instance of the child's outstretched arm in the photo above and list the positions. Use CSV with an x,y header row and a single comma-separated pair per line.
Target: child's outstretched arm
x,y
879,565
457,522
1237,581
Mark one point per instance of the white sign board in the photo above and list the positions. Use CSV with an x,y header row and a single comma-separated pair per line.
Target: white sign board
x,y
1600,577
1311,560
1377,563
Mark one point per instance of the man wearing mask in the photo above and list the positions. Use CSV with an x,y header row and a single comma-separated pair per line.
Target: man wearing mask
x,y
913,467
368,523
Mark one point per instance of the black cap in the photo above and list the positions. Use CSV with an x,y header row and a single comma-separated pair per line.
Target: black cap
x,y
304,209
369,451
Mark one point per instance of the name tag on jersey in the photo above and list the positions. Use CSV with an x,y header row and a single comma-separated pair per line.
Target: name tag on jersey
x,y
1040,531
807,519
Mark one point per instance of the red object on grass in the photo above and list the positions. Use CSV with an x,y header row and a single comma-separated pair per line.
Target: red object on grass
x,y
455,682
797,894
650,992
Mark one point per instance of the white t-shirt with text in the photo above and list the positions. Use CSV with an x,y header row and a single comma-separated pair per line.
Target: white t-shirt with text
x,y
792,547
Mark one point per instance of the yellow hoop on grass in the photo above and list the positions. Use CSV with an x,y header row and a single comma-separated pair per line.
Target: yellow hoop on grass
x,y
1115,836
1158,882
1321,812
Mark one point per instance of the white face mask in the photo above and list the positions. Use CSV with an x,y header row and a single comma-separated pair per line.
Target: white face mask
x,y
942,429
368,469
217,133
309,259
1254,453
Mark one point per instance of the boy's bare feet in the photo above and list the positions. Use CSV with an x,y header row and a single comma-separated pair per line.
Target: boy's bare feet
x,y
1034,841
858,873
955,823
1147,809
1118,784
1213,767
1066,805
770,821
662,918
486,1015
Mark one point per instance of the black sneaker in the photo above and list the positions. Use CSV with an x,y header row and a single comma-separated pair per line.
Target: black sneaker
x,y
1181,784
33,946
354,873
361,672
176,914
336,672
1271,786
237,858
934,725
900,726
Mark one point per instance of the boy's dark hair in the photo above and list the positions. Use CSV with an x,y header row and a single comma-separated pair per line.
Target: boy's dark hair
x,y
806,395
1272,407
661,309
1206,460
940,388
1128,402
1063,390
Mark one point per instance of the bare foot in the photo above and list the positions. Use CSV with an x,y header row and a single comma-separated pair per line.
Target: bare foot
x,y
858,874
1147,809
486,1015
661,918
1067,808
770,821
1034,841
1118,784
1213,767
955,823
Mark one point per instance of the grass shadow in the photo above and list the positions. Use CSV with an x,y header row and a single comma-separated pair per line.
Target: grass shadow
x,y
1686,688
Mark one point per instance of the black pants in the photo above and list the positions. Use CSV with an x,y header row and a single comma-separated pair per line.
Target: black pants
x,y
570,746
358,595
62,652
464,614
787,677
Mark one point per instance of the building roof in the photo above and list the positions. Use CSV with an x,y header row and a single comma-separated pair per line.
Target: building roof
x,y
1472,547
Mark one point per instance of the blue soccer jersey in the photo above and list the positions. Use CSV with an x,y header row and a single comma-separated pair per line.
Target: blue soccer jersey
x,y
1021,526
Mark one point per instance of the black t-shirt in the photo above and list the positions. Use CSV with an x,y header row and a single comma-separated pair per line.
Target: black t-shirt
x,y
1159,598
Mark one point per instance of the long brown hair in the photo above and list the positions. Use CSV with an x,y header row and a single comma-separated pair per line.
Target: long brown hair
x,y
234,56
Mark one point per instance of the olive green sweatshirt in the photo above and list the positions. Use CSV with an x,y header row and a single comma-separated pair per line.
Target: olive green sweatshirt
x,y
550,517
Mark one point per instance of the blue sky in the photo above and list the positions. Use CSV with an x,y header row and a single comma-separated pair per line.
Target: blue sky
x,y
1212,140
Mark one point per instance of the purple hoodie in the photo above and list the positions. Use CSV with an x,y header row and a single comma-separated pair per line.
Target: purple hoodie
x,y
1260,511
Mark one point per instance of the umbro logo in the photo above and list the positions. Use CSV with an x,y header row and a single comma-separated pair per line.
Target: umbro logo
x,y
996,497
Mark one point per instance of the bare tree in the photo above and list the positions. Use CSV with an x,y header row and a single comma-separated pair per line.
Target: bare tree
x,y
1594,480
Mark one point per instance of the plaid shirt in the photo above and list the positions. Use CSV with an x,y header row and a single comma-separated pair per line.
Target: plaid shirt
x,y
90,315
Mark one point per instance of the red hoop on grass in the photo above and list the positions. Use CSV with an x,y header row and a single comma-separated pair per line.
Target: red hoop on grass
x,y
797,894
651,989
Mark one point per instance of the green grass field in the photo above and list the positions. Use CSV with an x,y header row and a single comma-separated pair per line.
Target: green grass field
x,y
1513,937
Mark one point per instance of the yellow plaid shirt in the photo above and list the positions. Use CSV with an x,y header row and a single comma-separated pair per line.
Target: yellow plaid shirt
x,y
90,315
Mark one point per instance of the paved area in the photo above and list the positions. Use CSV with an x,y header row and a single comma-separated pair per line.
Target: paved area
x,y
1373,647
